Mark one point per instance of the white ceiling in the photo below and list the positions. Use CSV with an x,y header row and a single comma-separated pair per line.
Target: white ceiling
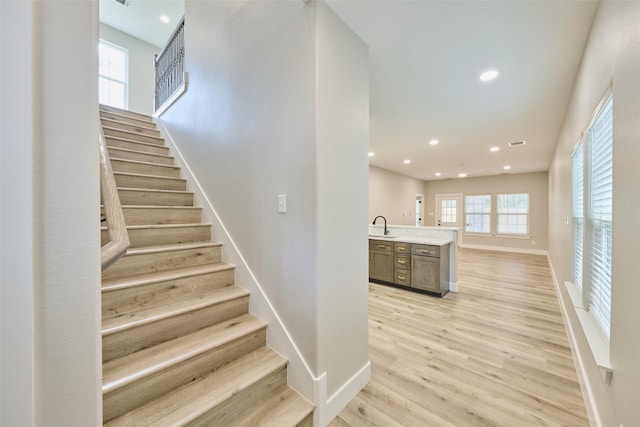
x,y
141,18
425,60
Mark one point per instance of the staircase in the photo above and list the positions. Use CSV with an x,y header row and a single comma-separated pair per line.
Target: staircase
x,y
179,346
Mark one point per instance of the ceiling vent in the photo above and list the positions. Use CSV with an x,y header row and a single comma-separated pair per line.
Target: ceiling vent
x,y
516,143
123,2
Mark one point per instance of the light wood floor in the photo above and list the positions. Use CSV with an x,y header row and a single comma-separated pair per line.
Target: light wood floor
x,y
494,354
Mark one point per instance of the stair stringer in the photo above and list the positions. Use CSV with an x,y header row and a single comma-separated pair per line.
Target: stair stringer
x,y
300,375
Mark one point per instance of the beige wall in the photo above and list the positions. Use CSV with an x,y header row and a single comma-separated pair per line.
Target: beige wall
x,y
612,55
536,184
393,196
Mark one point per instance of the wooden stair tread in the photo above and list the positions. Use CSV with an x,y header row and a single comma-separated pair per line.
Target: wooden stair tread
x,y
125,370
160,227
152,314
128,150
134,134
127,113
173,247
119,138
283,408
115,284
112,115
154,190
192,400
144,163
142,123
146,175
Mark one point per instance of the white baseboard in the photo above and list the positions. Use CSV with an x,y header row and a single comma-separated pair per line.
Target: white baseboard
x,y
505,249
329,407
585,384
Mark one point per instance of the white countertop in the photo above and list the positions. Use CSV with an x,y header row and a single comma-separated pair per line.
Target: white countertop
x,y
411,239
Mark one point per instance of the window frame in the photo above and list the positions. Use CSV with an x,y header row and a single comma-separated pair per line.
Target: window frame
x,y
467,213
125,82
527,232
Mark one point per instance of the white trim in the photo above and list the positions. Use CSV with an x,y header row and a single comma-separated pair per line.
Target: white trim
x,y
328,408
278,336
513,236
505,249
585,384
174,96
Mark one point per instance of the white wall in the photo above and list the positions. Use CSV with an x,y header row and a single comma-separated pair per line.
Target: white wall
x,y
141,68
341,197
393,196
16,216
612,54
249,129
55,270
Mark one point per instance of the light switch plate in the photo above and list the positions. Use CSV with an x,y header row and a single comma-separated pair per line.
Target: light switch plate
x,y
282,203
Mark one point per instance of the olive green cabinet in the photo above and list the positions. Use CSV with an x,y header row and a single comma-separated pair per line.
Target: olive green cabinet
x,y
381,260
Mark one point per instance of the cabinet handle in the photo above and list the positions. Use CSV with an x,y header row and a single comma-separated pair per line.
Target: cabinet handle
x,y
401,261
402,249
382,247
424,251
402,277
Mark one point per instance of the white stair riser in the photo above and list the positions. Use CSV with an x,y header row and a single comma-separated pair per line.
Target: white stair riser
x,y
125,342
162,261
168,236
153,198
140,392
132,135
129,299
140,156
142,130
138,146
144,168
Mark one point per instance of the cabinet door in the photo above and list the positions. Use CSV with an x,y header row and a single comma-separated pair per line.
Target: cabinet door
x,y
425,273
381,265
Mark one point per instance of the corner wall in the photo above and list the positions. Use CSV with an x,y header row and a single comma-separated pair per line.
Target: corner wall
x,y
393,196
50,342
255,123
612,54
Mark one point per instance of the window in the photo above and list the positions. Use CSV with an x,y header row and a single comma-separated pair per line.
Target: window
x,y
112,75
449,210
477,211
592,216
513,213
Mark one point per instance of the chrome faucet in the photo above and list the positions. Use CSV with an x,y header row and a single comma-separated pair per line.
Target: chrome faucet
x,y
386,232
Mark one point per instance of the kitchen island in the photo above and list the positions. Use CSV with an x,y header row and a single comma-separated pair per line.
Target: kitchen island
x,y
422,259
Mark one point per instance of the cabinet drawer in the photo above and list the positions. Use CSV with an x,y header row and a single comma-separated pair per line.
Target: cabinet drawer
x,y
402,277
426,250
403,261
380,245
402,248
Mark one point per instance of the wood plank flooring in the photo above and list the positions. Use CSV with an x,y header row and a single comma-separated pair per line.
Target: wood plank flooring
x,y
493,354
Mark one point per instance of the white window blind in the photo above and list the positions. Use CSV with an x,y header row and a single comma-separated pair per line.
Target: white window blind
x,y
578,212
477,209
513,213
598,233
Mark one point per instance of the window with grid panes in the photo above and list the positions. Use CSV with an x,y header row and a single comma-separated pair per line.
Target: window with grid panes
x,y
477,210
513,213
112,75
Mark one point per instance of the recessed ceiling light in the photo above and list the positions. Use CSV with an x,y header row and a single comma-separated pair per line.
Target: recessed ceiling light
x,y
438,174
164,18
488,75
507,167
462,175
406,161
371,154
434,142
494,149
